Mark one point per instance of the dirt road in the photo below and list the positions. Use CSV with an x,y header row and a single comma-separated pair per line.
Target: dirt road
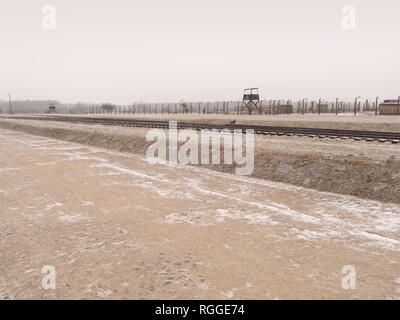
x,y
115,226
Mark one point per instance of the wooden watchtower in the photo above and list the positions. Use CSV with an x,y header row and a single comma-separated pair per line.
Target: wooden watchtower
x,y
52,108
251,100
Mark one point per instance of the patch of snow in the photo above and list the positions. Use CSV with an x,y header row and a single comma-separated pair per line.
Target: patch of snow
x,y
9,169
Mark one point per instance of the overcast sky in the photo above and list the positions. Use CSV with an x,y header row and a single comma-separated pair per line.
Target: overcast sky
x,y
124,51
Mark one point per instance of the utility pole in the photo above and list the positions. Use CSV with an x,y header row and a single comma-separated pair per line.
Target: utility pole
x,y
398,105
355,105
302,105
336,106
9,99
319,106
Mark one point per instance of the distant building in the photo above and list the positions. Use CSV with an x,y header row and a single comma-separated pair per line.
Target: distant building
x,y
52,108
389,107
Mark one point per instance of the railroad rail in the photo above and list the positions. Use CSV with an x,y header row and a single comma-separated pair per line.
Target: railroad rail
x,y
380,136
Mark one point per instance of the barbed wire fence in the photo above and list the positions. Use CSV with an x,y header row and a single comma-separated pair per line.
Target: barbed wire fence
x,y
266,107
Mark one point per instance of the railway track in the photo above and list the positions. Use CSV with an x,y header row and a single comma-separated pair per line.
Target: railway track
x,y
380,136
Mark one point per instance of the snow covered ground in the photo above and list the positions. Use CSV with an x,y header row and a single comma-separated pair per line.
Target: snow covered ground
x,y
115,226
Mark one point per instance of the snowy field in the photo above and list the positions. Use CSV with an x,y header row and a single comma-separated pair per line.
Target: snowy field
x,y
116,226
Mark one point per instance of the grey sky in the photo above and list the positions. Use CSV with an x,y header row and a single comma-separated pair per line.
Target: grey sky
x,y
123,51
